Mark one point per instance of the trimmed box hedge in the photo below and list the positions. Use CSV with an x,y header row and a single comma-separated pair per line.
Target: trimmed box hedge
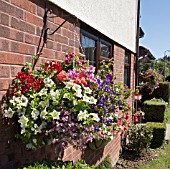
x,y
158,131
154,110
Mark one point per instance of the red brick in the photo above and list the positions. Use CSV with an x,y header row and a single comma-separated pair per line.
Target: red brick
x,y
5,71
49,44
57,46
4,19
15,70
4,45
2,93
22,48
4,31
30,39
11,58
40,11
11,10
61,39
25,4
4,84
16,35
23,26
31,18
68,33
48,53
59,55
28,59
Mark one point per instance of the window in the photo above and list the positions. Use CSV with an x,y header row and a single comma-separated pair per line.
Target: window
x,y
89,48
127,67
105,49
95,46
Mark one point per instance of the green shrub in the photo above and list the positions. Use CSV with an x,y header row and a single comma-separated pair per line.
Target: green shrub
x,y
48,165
163,91
105,164
82,165
154,110
57,165
137,138
158,131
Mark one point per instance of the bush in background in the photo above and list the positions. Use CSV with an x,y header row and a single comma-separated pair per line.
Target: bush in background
x,y
158,131
154,110
138,138
163,91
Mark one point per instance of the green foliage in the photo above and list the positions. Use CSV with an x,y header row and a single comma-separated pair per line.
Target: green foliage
x,y
158,131
97,144
137,138
82,165
58,165
105,164
157,64
154,110
163,91
49,165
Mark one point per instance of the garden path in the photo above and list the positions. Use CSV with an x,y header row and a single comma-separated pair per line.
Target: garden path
x,y
167,137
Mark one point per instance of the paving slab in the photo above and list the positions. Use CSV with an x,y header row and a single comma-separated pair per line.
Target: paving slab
x,y
167,136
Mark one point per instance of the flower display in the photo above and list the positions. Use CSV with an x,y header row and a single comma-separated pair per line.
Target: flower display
x,y
66,102
151,78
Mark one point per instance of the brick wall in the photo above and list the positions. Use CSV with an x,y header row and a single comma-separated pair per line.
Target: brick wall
x,y
21,22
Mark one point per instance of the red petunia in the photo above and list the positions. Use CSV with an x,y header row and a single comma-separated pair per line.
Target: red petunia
x,y
62,76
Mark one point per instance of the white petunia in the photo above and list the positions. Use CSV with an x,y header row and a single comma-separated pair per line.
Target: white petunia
x,y
23,120
55,114
66,95
34,141
36,129
23,101
83,115
30,146
42,92
86,98
74,102
22,131
78,93
95,116
44,103
43,113
21,111
87,90
55,94
9,113
48,82
69,85
35,113
14,101
76,87
92,100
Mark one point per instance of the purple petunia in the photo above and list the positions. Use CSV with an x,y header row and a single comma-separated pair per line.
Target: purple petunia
x,y
109,78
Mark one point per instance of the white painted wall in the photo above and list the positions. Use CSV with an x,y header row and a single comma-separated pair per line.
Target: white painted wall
x,y
117,19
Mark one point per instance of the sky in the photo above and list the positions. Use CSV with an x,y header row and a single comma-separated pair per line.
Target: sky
x,y
155,22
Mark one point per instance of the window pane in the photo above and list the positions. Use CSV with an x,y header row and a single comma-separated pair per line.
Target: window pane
x,y
89,47
104,50
127,58
126,76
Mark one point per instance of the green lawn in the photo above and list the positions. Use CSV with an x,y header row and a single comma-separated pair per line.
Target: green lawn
x,y
168,115
162,162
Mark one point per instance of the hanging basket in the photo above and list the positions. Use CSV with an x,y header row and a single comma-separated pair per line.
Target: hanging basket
x,y
97,144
